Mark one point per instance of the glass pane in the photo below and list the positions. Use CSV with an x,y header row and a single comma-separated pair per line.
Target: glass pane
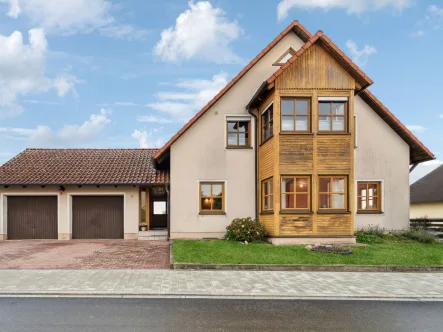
x,y
217,190
232,126
301,123
243,126
338,108
206,203
361,203
287,201
243,139
287,185
361,189
271,112
159,208
324,123
266,188
373,203
232,139
338,185
301,107
372,189
271,188
217,204
286,58
266,203
271,129
324,201
338,201
302,185
271,202
338,123
325,185
206,189
324,108
265,133
265,118
287,123
143,206
302,201
287,107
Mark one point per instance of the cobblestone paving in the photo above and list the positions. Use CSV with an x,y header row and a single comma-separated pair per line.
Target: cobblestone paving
x,y
80,254
223,283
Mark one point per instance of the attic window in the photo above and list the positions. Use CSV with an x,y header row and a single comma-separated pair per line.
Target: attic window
x,y
285,57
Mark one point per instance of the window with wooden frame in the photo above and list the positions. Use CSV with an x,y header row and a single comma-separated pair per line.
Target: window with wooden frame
x,y
285,57
295,115
333,116
333,193
368,197
268,195
295,193
238,133
212,197
267,123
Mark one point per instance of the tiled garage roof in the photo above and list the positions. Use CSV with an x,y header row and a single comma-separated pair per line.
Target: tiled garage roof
x,y
82,166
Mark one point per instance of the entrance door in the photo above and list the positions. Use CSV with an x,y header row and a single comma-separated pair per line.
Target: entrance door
x,y
159,213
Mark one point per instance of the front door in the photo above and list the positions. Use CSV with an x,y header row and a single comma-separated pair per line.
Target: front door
x,y
159,213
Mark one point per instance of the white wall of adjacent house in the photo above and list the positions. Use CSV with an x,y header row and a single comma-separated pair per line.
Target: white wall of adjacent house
x,y
131,205
382,156
200,154
427,210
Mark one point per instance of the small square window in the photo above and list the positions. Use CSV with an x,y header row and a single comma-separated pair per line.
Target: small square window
x,y
238,134
212,197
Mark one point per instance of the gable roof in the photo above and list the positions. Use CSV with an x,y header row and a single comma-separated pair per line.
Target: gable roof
x,y
429,188
295,27
82,167
338,54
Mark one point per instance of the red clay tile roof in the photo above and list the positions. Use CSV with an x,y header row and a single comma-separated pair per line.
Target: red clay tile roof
x,y
356,72
82,166
295,27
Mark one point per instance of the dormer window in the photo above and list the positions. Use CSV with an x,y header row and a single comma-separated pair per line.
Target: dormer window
x,y
285,57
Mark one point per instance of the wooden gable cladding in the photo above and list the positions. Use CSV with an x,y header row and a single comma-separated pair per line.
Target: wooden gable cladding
x,y
296,153
315,69
334,153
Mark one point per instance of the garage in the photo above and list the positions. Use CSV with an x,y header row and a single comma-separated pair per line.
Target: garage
x,y
97,217
32,217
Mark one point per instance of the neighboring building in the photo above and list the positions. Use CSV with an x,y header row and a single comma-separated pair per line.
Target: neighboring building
x,y
295,139
427,196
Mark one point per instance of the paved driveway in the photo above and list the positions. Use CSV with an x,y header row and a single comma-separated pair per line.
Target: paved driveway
x,y
82,254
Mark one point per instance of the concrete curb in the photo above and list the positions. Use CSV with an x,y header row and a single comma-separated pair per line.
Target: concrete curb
x,y
305,267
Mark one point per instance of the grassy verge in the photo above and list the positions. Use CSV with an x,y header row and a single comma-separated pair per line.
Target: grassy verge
x,y
404,253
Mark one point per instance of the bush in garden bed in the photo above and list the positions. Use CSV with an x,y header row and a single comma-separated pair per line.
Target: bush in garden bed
x,y
376,234
245,229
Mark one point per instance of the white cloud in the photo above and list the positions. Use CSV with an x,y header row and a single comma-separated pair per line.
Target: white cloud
x,y
22,70
423,169
441,116
69,17
360,57
195,94
201,32
432,21
351,6
69,135
33,101
146,140
153,119
416,129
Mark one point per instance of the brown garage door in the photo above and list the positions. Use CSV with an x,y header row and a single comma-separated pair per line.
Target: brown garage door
x,y
32,217
97,217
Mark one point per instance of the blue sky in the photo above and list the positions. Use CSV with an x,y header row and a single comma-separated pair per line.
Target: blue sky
x,y
98,73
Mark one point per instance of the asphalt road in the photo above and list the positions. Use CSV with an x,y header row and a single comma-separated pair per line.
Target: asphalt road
x,y
105,314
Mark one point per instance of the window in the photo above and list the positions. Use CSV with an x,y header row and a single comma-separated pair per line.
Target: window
x,y
368,196
295,114
285,57
268,195
238,133
295,193
159,208
212,197
267,118
333,192
332,116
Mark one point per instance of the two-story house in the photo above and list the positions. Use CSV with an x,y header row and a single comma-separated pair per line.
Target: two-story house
x,y
295,139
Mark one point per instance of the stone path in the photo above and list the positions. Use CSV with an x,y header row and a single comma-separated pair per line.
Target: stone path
x,y
223,283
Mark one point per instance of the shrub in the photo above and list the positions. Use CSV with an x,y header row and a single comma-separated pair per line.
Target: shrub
x,y
373,230
245,229
420,235
363,237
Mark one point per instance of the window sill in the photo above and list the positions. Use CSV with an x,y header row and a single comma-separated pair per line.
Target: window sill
x,y
264,213
264,142
333,212
296,212
333,133
370,212
239,148
295,133
207,213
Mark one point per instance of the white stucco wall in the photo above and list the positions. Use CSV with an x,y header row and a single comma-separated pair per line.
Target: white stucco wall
x,y
131,208
200,155
427,210
383,156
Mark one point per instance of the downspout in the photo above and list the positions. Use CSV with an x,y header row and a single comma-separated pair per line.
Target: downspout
x,y
256,161
168,210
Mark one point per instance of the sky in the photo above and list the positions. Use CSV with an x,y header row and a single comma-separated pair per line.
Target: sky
x,y
130,73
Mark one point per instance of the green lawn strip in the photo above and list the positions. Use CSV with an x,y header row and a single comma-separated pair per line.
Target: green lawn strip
x,y
404,253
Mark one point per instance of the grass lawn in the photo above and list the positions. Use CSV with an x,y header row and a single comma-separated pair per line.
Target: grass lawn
x,y
227,252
